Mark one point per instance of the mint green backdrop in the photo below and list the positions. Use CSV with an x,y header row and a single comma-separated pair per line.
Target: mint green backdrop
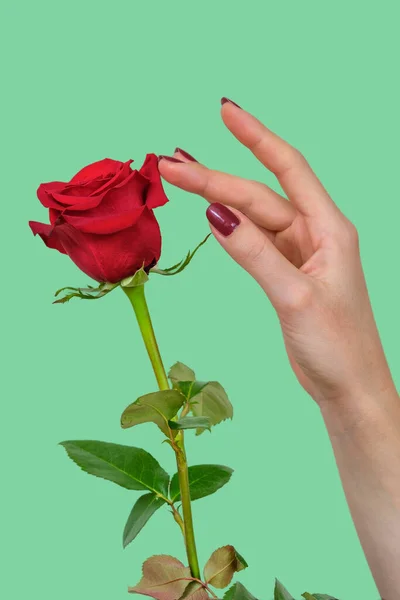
x,y
85,80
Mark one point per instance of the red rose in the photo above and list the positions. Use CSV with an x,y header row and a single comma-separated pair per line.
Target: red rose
x,y
103,218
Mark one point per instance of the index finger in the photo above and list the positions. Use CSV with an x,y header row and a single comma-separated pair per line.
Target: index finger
x,y
293,172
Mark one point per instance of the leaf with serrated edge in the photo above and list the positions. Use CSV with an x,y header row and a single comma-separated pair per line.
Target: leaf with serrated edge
x,y
191,423
212,402
322,597
157,407
191,388
222,565
131,468
194,591
164,578
180,372
144,508
280,592
238,592
204,480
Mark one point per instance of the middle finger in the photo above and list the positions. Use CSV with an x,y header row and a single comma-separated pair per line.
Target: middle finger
x,y
256,200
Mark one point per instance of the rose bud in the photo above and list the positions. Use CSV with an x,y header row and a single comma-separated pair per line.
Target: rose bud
x,y
103,218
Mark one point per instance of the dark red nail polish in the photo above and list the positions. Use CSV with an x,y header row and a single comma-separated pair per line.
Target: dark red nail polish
x,y
186,154
224,100
223,219
170,158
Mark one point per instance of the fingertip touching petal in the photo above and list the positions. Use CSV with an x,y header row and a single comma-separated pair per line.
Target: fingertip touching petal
x,y
155,195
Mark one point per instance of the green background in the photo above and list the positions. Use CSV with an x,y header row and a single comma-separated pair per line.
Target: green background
x,y
84,80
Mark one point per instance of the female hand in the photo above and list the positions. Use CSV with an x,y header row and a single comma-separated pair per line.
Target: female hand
x,y
303,252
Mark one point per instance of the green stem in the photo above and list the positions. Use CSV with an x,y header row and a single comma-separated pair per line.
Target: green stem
x,y
138,300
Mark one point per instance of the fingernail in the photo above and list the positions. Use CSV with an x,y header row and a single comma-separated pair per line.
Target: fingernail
x,y
223,219
170,158
186,154
224,100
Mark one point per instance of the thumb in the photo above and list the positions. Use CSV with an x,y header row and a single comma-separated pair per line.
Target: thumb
x,y
252,249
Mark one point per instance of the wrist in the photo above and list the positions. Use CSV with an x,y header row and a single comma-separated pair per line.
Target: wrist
x,y
360,411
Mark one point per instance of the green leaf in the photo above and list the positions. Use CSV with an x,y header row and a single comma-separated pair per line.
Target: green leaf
x,y
280,592
212,402
180,372
89,293
157,407
195,591
127,466
238,592
204,480
222,565
318,596
191,388
144,508
178,267
164,578
191,423
138,278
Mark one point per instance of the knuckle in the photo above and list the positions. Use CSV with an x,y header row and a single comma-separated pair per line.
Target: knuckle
x,y
298,298
254,253
293,159
348,235
208,185
298,157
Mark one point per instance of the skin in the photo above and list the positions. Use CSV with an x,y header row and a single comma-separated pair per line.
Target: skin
x,y
304,253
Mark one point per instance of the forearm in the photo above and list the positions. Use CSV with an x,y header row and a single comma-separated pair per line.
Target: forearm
x,y
365,436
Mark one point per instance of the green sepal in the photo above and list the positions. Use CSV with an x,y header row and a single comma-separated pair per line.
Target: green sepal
x,y
182,264
138,278
157,407
280,592
144,508
88,293
191,423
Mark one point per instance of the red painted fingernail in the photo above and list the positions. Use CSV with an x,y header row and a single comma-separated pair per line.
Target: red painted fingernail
x,y
224,100
170,158
186,154
223,219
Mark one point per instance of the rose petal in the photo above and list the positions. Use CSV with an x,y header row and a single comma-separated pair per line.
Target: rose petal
x,y
48,234
155,195
79,249
45,196
120,208
76,202
118,178
107,167
115,256
104,224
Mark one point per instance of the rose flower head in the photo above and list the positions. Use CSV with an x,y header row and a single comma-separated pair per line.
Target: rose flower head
x,y
103,218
